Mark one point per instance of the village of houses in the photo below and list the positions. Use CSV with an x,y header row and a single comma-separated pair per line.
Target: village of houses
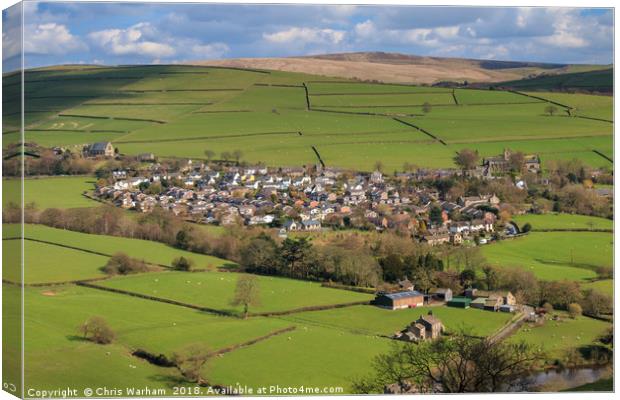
x,y
298,199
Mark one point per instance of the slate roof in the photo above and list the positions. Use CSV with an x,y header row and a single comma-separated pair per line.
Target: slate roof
x,y
403,295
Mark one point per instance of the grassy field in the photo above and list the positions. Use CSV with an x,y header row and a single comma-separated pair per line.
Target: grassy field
x,y
555,337
224,109
554,255
563,221
57,192
57,356
309,356
370,320
216,289
605,286
152,252
584,104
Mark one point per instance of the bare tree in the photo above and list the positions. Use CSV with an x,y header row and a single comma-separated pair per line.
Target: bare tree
x,y
209,154
247,293
225,156
551,109
237,154
467,159
190,361
459,364
97,330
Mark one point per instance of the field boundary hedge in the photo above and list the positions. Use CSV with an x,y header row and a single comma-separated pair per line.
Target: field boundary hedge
x,y
208,137
604,156
421,130
145,104
159,299
222,111
82,249
310,308
278,85
364,113
454,97
307,96
573,230
61,283
318,155
162,361
348,287
375,94
538,98
77,130
157,121
594,119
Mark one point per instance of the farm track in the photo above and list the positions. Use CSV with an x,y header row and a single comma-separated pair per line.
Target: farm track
x,y
421,130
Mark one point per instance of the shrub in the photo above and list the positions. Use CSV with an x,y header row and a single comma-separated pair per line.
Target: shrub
x,y
182,264
574,310
526,227
548,307
121,263
97,330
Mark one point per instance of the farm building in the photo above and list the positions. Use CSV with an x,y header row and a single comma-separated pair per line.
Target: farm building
x,y
399,300
444,294
493,303
427,327
459,302
507,308
479,303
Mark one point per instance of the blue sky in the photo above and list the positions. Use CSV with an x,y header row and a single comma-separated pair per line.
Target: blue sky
x,y
130,33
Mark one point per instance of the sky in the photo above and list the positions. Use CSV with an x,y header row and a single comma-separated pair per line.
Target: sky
x,y
146,33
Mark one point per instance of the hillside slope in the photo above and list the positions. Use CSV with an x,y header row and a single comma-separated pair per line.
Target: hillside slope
x,y
399,68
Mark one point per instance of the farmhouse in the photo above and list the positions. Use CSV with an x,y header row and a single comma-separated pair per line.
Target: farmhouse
x,y
427,327
399,300
99,149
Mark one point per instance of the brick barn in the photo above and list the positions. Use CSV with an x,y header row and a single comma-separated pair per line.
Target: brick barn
x,y
399,300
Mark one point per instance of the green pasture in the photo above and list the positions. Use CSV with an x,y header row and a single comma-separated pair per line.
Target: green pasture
x,y
556,337
160,327
371,320
554,255
201,111
11,331
505,122
45,263
473,96
263,98
88,125
344,87
310,356
53,192
149,251
379,100
584,104
605,286
563,221
216,290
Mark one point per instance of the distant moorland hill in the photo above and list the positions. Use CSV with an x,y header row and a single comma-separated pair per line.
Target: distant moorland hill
x,y
401,68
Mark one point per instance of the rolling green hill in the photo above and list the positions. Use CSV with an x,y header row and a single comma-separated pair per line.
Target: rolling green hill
x,y
279,117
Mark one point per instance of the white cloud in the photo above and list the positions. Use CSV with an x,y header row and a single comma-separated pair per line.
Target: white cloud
x,y
51,38
132,41
209,51
306,35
